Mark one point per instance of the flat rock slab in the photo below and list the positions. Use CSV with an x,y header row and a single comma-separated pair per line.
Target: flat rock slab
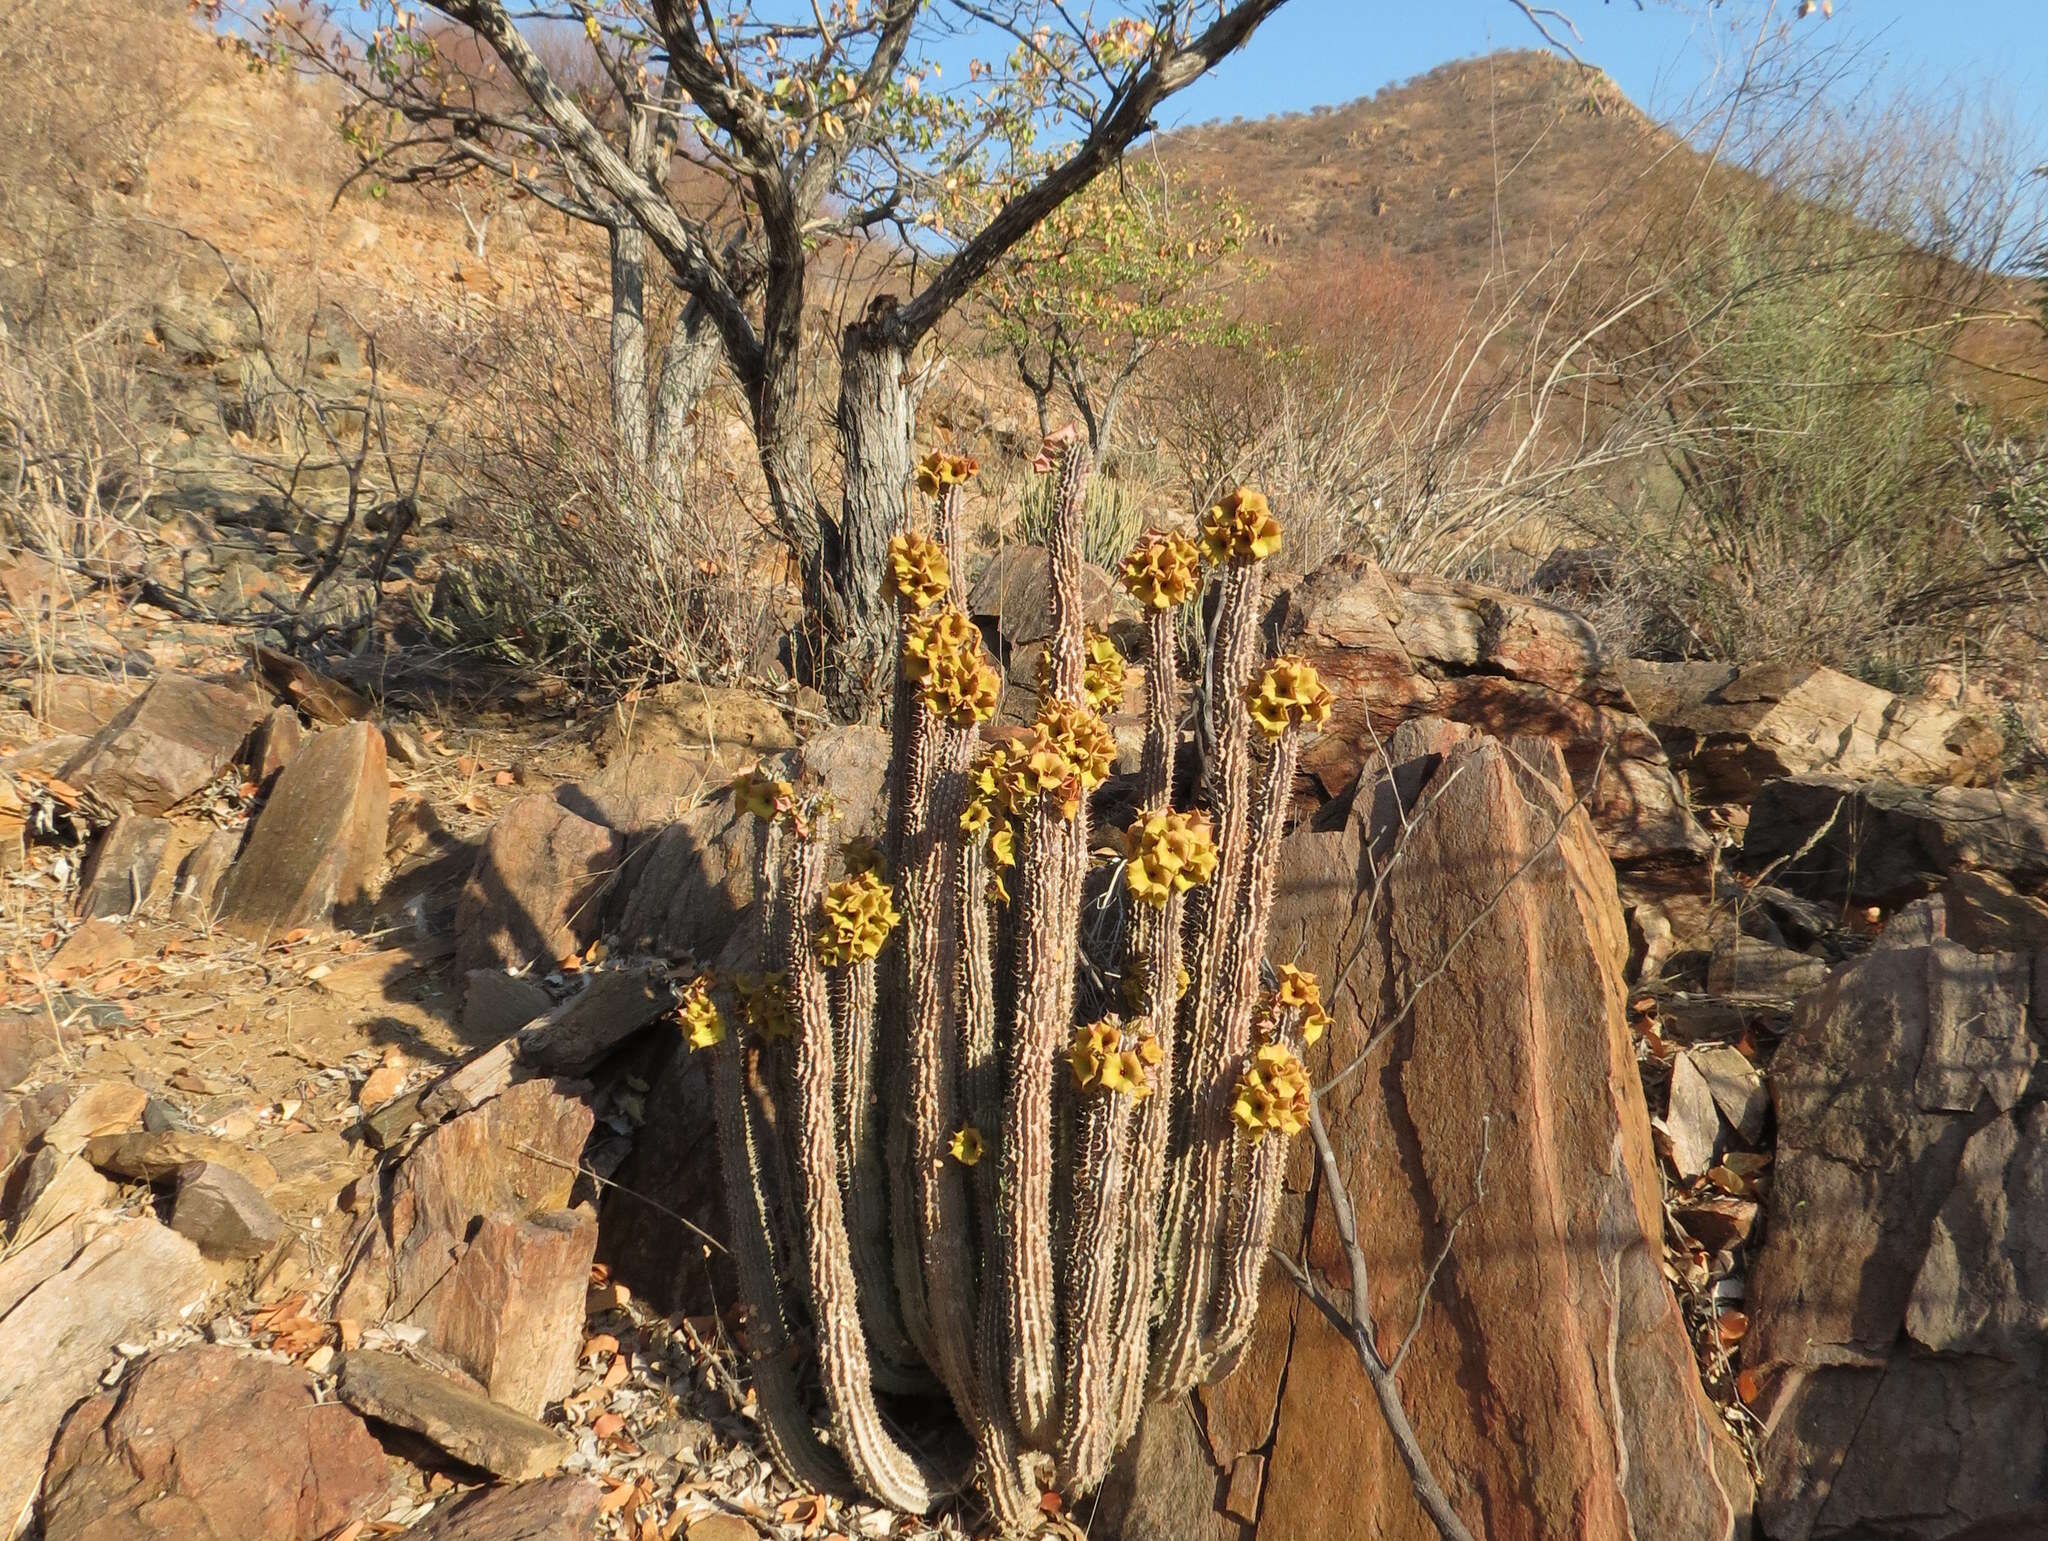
x,y
126,1281
104,1107
168,743
211,1444
457,1418
554,1509
159,1155
319,840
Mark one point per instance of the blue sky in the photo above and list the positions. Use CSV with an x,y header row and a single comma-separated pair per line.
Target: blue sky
x,y
1317,52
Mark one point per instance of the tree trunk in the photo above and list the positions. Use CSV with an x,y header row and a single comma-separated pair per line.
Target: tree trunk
x,y
687,363
629,341
875,419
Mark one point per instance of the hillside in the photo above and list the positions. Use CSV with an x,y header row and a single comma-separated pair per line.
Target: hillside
x,y
1426,171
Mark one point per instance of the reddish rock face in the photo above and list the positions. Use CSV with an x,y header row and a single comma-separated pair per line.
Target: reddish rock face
x,y
556,1509
212,1445
535,893
319,840
168,743
1551,1383
1394,649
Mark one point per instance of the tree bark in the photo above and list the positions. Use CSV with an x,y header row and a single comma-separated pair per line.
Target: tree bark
x,y
629,340
687,363
875,420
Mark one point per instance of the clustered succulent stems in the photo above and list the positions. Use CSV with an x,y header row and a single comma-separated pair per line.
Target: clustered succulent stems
x,y
954,1161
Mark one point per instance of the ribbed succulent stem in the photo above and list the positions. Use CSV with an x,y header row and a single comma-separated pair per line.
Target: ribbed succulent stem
x,y
1095,1264
1211,1255
1051,865
922,730
864,1180
944,1237
1192,1226
1162,712
743,1163
878,1463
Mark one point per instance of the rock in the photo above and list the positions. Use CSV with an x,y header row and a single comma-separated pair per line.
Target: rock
x,y
1010,595
26,1038
319,840
472,1185
1394,649
211,1444
1733,729
1517,1053
195,892
274,744
496,1004
1898,1323
194,333
156,1156
554,1509
536,892
54,1190
1716,1221
221,1212
1746,968
1985,914
1886,843
1737,1087
688,887
1692,1127
721,1527
682,717
456,1418
118,876
169,742
104,1107
512,1312
129,1279
643,792
322,699
98,944
73,703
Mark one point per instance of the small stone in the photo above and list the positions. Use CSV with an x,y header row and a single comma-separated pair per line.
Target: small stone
x,y
1737,1087
382,1084
319,841
533,896
220,1211
167,744
1691,1126
497,1004
552,1509
457,1418
195,891
274,744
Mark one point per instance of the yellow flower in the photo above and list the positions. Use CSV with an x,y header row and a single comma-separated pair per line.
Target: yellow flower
x,y
1166,854
1161,570
764,1002
703,1025
940,470
1082,738
859,914
917,571
932,641
1103,1058
1240,530
966,1146
1288,694
762,796
1272,1093
1300,991
1102,677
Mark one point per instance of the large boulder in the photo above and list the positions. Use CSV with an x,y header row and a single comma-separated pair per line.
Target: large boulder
x,y
1011,597
169,742
479,1248
210,1444
692,718
1733,729
687,888
1396,648
318,842
536,891
1886,842
106,1283
1900,1302
1551,1381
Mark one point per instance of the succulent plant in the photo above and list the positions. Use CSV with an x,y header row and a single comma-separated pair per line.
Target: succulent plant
x,y
1049,1209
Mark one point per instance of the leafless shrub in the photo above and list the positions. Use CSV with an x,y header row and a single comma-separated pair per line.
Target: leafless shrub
x,y
583,560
